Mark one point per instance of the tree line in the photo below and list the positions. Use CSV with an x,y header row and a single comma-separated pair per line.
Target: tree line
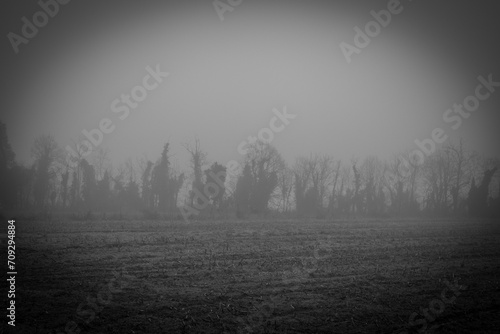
x,y
453,181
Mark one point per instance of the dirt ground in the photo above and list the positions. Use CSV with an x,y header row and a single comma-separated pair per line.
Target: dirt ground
x,y
309,276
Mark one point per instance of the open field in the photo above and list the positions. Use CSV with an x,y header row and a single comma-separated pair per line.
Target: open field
x,y
365,276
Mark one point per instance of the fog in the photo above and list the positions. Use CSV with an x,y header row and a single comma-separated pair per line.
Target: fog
x,y
226,76
228,166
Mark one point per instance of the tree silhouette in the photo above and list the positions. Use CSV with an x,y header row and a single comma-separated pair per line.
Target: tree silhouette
x,y
242,192
103,192
45,151
478,196
317,185
165,186
147,194
215,178
88,185
7,164
198,159
264,162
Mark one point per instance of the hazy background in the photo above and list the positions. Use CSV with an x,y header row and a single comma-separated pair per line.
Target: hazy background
x,y
226,77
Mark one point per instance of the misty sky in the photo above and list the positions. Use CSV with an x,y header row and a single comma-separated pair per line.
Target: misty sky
x,y
225,77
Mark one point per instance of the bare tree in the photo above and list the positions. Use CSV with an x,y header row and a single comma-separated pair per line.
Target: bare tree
x,y
372,171
45,152
313,178
401,182
129,168
461,173
344,196
101,162
285,186
356,199
438,181
265,164
198,160
302,174
333,200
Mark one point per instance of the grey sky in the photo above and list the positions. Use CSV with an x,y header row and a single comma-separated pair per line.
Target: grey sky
x,y
226,77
